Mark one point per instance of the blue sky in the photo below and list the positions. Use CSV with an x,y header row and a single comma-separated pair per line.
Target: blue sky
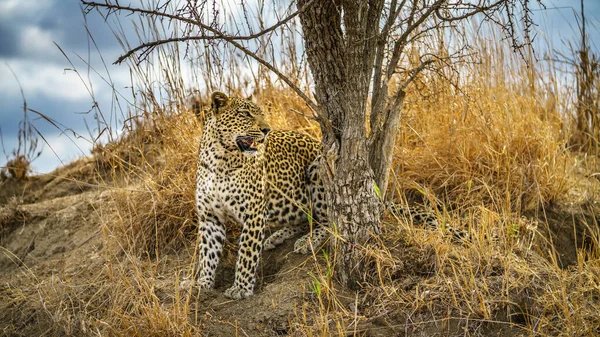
x,y
31,29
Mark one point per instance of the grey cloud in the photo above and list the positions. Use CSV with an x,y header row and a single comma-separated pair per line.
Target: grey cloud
x,y
70,114
9,43
63,21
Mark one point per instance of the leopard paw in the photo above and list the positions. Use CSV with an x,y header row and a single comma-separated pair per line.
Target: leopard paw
x,y
237,293
302,245
268,245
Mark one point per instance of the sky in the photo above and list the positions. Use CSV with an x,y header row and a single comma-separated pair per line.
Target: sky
x,y
45,51
35,36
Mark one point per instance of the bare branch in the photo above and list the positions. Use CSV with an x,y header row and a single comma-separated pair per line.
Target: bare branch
x,y
372,34
379,116
378,87
475,10
401,42
312,118
218,34
413,74
148,46
233,40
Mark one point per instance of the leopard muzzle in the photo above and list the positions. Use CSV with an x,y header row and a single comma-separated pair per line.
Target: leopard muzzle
x,y
247,143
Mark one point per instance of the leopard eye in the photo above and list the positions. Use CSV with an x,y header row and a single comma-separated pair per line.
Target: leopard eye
x,y
246,113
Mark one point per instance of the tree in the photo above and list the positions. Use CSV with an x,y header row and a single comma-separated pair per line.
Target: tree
x,y
357,52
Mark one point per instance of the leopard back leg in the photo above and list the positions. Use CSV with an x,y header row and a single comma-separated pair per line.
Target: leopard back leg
x,y
212,235
318,231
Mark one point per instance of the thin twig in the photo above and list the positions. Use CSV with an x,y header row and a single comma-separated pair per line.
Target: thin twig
x,y
313,118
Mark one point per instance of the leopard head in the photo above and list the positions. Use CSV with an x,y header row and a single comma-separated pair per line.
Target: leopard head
x,y
239,123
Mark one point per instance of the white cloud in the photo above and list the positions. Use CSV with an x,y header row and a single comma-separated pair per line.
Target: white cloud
x,y
38,78
27,8
34,41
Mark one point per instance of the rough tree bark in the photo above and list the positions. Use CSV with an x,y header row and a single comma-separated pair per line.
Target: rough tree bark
x,y
341,66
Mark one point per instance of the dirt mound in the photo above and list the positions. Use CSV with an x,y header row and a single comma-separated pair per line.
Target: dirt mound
x,y
63,273
54,259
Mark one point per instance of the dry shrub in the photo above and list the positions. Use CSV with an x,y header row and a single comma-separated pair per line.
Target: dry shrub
x,y
156,207
18,167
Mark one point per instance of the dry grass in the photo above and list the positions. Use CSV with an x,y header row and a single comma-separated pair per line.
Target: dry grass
x,y
155,204
498,140
18,167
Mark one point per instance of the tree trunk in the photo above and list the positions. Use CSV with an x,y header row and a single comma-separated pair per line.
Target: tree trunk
x,y
341,68
383,138
353,207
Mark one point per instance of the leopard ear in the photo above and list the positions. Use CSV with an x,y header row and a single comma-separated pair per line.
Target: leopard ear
x,y
218,100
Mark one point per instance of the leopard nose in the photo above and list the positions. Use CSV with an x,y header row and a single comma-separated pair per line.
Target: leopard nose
x,y
265,130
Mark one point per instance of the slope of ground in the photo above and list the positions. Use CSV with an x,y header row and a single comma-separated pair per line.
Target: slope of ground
x,y
56,275
60,277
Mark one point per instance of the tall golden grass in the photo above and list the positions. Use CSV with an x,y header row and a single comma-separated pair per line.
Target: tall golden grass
x,y
496,141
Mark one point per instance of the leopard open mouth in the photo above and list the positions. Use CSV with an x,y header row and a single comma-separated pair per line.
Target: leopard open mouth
x,y
246,143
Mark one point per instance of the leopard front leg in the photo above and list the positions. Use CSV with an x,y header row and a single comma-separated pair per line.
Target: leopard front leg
x,y
249,252
212,236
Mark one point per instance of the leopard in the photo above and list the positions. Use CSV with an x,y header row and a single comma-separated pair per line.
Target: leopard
x,y
252,176
426,216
